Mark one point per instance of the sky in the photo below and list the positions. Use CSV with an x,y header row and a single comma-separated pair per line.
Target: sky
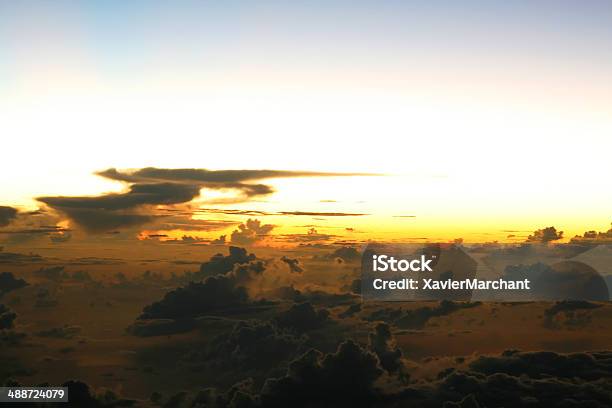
x,y
476,117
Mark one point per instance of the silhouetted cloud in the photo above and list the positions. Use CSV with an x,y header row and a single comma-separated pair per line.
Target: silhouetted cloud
x,y
293,264
302,317
220,264
593,237
149,174
225,287
542,364
16,258
322,214
346,254
215,293
417,318
7,317
8,283
383,345
251,232
7,214
161,327
151,186
343,378
254,344
544,235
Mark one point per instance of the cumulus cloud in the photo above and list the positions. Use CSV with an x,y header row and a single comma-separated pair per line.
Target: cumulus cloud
x,y
545,235
250,232
220,264
383,345
254,344
8,283
302,317
215,293
224,287
293,264
593,237
418,318
343,378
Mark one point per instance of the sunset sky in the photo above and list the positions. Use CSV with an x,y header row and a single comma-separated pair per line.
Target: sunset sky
x,y
477,119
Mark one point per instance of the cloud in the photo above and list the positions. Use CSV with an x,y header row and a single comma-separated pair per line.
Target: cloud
x,y
383,345
8,283
251,232
312,235
542,364
593,237
7,214
544,235
149,187
198,176
418,318
347,254
7,317
254,344
302,317
120,210
223,288
16,258
322,214
160,327
343,378
214,294
293,264
220,264
63,332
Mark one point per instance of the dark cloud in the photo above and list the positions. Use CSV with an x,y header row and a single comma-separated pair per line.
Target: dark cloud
x,y
317,297
254,344
418,318
343,378
312,235
383,345
573,312
7,317
543,364
346,254
83,396
149,174
8,283
293,264
302,317
251,232
151,186
7,214
63,332
544,235
232,211
161,327
350,311
52,273
220,264
569,280
224,288
16,258
594,237
44,298
120,210
322,214
214,294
